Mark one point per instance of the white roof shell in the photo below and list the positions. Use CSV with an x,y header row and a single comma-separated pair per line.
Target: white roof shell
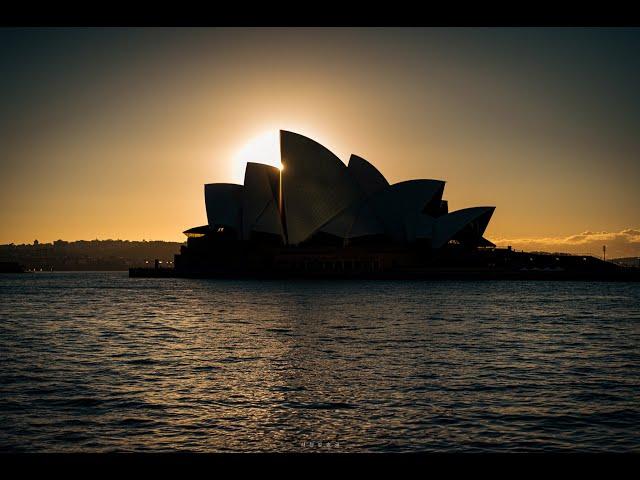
x,y
368,177
447,226
399,207
260,203
316,185
320,193
357,220
223,202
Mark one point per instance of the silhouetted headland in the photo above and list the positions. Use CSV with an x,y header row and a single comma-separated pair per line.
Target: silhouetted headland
x,y
88,255
11,267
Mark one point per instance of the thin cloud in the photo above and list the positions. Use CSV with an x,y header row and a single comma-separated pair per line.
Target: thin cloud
x,y
625,243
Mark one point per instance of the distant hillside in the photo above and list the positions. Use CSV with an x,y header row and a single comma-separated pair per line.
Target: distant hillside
x,y
89,254
627,261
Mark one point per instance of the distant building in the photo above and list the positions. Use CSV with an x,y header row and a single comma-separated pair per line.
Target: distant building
x,y
318,213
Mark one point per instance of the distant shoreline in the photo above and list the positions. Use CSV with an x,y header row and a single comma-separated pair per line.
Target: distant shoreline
x,y
89,255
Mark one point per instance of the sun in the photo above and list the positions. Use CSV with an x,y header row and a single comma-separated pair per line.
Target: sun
x,y
264,148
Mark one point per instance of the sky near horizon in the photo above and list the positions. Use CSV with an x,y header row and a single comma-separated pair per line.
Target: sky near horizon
x,y
111,133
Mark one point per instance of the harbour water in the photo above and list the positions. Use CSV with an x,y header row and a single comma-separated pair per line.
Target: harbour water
x,y
99,362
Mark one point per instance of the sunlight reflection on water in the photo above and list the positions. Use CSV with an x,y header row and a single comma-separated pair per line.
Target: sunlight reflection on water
x,y
102,362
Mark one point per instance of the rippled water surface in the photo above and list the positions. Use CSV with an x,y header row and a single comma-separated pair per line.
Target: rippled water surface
x,y
102,362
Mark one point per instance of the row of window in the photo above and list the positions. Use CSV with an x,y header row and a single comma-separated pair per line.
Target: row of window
x,y
334,265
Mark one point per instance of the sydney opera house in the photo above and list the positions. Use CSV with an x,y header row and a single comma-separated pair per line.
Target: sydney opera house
x,y
319,216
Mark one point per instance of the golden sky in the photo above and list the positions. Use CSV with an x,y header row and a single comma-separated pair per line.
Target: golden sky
x,y
111,133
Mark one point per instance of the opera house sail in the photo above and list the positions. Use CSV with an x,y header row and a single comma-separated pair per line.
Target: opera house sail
x,y
320,215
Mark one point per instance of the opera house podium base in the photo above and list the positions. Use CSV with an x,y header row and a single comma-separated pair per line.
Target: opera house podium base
x,y
494,264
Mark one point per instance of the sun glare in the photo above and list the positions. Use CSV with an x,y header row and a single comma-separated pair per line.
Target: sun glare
x,y
264,148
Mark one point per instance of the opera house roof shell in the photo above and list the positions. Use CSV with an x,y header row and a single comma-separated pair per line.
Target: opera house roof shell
x,y
316,193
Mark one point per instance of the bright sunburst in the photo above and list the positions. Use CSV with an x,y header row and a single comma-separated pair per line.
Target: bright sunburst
x,y
264,148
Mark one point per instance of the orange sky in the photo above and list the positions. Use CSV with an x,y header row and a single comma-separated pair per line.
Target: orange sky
x,y
112,133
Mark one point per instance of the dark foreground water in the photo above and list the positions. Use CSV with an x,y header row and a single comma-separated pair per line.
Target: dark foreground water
x,y
101,362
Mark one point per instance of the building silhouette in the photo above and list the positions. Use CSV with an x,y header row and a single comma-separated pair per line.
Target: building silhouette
x,y
318,215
